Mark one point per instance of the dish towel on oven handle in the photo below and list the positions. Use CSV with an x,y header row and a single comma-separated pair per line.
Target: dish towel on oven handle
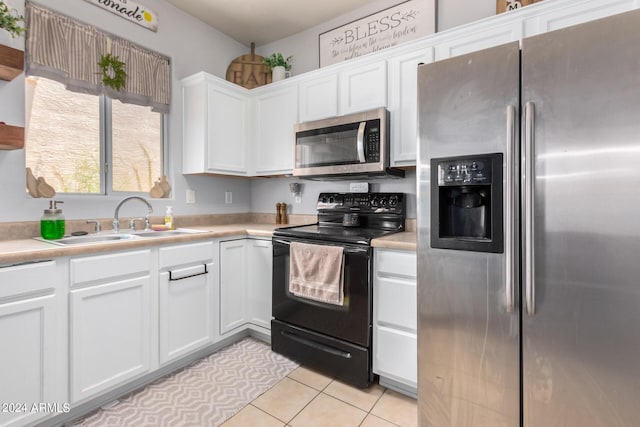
x,y
316,272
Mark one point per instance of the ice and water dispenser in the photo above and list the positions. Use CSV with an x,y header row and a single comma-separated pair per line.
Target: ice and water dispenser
x,y
466,203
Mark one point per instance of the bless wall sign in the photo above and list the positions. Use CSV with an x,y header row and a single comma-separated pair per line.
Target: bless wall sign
x,y
403,22
131,11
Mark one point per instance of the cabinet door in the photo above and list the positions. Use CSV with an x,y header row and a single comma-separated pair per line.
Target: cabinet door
x,y
403,101
363,87
233,279
259,282
482,38
186,310
319,98
395,354
28,358
276,113
110,331
227,124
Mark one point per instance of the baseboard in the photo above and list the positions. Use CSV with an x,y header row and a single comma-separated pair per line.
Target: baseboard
x,y
399,387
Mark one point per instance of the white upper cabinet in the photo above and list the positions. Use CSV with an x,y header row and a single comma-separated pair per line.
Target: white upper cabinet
x,y
276,111
215,126
481,37
319,97
363,87
403,102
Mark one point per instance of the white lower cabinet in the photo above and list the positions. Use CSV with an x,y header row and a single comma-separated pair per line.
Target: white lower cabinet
x,y
259,282
187,298
245,284
29,336
233,279
111,321
395,356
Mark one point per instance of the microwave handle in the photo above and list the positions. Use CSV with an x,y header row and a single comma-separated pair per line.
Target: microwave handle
x,y
360,142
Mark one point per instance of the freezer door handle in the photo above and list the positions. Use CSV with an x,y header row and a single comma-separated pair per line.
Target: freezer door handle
x,y
511,197
529,192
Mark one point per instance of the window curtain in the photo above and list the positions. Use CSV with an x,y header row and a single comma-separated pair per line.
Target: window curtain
x,y
68,51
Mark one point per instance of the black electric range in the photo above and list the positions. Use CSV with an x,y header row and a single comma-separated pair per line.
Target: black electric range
x,y
335,339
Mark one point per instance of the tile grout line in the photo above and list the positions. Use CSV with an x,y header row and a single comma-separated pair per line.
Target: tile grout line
x,y
263,411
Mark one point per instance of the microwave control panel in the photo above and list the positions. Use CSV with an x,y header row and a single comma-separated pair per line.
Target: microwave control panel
x,y
372,141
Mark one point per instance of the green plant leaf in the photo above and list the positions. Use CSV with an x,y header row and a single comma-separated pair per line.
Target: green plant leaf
x,y
112,71
10,21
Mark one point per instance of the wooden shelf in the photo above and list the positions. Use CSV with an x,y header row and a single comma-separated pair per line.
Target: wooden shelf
x,y
11,137
11,62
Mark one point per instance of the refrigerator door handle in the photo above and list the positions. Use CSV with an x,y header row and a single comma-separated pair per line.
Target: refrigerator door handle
x,y
511,247
529,191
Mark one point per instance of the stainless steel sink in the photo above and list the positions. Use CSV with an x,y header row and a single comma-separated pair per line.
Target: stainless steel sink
x,y
112,237
89,239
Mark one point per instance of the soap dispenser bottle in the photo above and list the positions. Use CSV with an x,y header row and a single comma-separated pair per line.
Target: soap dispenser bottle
x,y
52,222
168,218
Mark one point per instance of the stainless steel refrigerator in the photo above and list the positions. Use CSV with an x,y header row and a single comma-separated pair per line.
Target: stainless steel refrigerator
x,y
529,232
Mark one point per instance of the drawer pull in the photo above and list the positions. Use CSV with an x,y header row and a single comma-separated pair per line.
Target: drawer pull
x,y
173,279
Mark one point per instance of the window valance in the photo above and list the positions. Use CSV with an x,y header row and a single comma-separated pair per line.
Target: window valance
x,y
68,51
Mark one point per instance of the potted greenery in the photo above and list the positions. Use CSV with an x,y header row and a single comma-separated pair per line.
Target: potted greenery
x,y
10,20
278,65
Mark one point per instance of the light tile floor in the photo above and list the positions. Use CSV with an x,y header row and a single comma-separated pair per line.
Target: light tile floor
x,y
306,398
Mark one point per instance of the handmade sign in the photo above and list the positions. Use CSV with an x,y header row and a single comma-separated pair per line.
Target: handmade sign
x,y
131,11
398,24
249,71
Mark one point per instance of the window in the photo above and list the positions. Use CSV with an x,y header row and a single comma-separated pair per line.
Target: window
x,y
91,144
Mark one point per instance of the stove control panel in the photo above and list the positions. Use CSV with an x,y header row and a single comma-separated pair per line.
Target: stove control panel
x,y
363,202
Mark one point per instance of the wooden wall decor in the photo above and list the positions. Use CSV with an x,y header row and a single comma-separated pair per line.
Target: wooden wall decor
x,y
11,62
507,5
11,137
248,71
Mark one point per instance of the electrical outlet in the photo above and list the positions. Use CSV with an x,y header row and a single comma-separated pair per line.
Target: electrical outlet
x,y
228,197
359,187
191,196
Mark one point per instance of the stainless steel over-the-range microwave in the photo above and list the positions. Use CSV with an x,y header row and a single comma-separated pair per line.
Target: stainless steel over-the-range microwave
x,y
349,146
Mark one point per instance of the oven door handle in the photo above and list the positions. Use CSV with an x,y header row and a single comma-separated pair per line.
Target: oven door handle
x,y
317,345
348,249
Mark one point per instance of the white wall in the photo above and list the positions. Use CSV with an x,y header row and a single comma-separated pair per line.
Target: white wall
x,y
192,46
304,45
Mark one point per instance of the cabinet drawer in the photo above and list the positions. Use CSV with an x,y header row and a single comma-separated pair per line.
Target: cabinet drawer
x,y
108,266
27,278
202,252
397,263
396,301
396,355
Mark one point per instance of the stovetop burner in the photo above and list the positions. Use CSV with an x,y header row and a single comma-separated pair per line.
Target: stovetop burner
x,y
379,214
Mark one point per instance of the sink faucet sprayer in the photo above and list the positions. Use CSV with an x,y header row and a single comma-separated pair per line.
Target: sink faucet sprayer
x,y
147,218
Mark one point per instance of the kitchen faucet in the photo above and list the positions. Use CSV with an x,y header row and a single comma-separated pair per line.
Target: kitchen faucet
x,y
116,221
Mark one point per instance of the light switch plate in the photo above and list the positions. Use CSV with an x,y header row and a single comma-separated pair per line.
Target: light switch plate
x,y
359,187
191,196
228,197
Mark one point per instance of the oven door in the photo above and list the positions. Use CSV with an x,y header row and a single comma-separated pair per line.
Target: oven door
x,y
350,322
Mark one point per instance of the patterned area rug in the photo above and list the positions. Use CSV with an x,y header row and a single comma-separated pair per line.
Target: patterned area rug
x,y
204,394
